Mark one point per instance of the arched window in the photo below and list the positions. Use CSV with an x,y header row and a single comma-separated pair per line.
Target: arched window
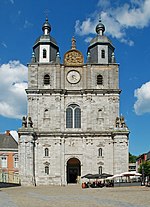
x,y
47,170
99,80
100,170
73,116
46,152
102,53
46,79
100,152
44,53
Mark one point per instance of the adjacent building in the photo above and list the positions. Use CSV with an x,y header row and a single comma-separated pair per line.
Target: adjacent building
x,y
8,158
73,126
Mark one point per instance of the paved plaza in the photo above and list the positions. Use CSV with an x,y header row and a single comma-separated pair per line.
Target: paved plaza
x,y
74,196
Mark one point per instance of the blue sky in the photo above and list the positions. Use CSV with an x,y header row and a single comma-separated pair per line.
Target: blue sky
x,y
127,25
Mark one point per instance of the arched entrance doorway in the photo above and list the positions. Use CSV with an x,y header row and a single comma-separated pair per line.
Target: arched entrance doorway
x,y
73,170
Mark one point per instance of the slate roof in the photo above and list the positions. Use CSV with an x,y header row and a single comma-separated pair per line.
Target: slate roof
x,y
7,142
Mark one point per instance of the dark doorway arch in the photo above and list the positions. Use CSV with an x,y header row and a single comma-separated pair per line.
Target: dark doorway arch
x,y
73,170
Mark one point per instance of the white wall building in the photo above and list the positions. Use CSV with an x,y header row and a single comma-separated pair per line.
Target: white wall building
x,y
73,125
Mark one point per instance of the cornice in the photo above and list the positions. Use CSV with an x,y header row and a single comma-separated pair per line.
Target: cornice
x,y
67,92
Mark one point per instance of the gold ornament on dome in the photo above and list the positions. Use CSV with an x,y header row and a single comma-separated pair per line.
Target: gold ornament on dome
x,y
73,57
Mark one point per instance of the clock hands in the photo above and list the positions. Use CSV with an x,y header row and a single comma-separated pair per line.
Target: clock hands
x,y
74,77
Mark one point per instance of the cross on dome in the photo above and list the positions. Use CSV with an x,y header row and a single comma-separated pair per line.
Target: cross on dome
x,y
73,46
46,27
100,28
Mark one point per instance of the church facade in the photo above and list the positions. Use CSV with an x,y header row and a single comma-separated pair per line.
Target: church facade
x,y
73,126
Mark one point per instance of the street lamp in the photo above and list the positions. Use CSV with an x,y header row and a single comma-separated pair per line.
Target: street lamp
x,y
143,176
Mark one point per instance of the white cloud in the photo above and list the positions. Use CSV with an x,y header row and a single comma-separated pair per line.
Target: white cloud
x,y
13,81
4,44
117,19
103,3
12,1
84,28
88,39
27,24
137,15
142,105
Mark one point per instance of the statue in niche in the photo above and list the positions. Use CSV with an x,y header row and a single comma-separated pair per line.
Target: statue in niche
x,y
46,113
100,118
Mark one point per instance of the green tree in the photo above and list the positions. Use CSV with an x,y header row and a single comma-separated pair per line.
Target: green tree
x,y
146,167
132,158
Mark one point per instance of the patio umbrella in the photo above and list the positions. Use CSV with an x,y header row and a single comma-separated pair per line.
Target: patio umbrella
x,y
105,175
138,174
130,174
117,175
96,176
88,176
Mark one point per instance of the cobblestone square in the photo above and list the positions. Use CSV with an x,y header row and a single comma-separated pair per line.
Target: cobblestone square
x,y
74,196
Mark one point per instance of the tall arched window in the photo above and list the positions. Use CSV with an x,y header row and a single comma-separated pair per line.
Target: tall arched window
x,y
73,116
47,170
46,152
102,53
44,53
99,80
100,170
46,79
100,152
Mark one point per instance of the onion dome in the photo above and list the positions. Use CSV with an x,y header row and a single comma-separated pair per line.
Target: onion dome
x,y
101,49
45,47
100,28
46,27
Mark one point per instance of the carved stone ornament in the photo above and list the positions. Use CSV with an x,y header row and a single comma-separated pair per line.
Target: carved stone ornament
x,y
73,57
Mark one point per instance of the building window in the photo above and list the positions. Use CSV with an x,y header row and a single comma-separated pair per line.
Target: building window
x,y
46,79
47,170
44,53
15,161
46,152
100,152
73,116
4,177
99,80
4,162
100,170
102,53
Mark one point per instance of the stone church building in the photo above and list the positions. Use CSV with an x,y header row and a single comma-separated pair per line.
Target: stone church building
x,y
73,126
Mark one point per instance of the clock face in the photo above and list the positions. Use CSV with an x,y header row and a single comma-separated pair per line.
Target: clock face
x,y
73,76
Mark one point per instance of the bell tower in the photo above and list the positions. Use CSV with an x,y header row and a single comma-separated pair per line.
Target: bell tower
x,y
45,49
101,50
